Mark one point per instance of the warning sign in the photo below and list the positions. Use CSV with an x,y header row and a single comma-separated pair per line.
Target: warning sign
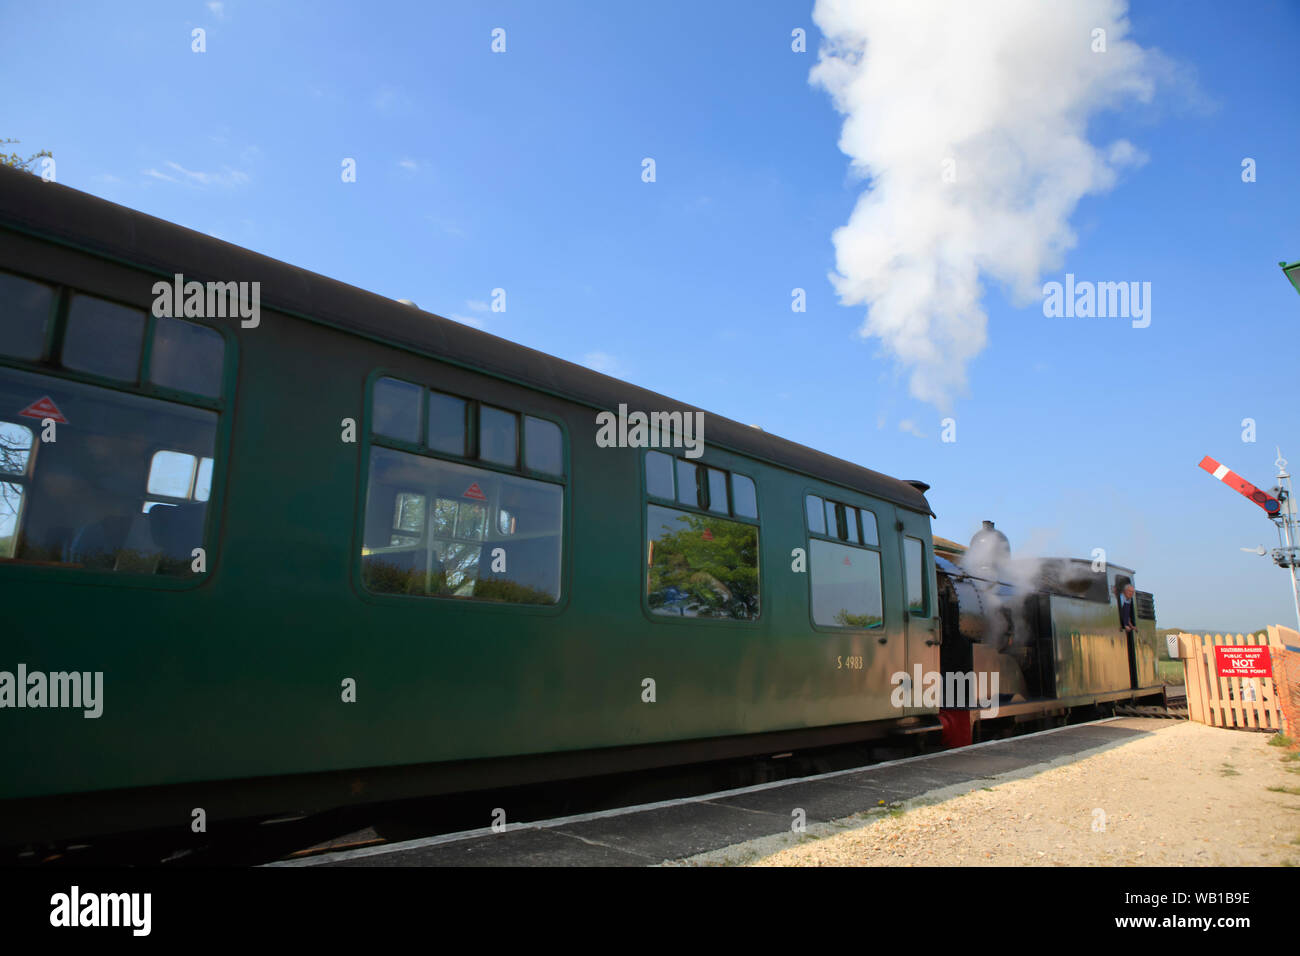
x,y
475,492
45,408
708,535
1243,661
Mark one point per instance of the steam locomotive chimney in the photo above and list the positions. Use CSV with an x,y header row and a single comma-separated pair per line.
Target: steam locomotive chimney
x,y
988,550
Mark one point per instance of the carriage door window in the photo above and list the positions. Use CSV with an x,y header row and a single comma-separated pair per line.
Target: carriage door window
x,y
918,604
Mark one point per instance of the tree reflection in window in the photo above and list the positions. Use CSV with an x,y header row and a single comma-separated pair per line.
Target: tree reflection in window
x,y
845,586
701,566
15,453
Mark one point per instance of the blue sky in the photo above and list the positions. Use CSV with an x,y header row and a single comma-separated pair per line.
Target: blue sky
x,y
523,171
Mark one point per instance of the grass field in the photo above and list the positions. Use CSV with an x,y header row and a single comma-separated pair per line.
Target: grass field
x,y
1170,672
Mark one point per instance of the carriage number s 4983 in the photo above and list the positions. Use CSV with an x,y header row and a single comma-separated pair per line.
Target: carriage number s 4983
x,y
851,663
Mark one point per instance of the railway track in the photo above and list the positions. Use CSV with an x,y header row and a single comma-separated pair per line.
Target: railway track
x,y
1174,708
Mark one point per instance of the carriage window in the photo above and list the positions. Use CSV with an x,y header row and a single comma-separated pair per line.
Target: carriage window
x,y
914,560
397,409
24,313
688,489
84,500
700,566
845,522
447,424
498,436
188,357
490,536
104,338
845,586
718,491
543,447
699,486
743,499
869,533
816,515
658,474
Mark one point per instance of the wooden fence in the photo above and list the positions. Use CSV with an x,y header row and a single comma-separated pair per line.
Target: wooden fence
x,y
1247,702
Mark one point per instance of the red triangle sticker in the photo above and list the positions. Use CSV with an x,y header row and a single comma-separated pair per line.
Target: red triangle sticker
x,y
708,535
44,408
475,492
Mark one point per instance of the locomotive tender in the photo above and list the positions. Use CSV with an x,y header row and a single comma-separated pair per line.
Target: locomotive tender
x,y
349,551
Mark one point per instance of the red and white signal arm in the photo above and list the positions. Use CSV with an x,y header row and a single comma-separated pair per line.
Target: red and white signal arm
x,y
1252,661
1233,480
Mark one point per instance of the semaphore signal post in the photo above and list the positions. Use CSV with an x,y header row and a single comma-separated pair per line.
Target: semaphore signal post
x,y
1279,505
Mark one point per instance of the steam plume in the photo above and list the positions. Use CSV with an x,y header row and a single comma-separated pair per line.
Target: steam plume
x,y
996,97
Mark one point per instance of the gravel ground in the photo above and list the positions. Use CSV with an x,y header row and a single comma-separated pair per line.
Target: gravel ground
x,y
1188,795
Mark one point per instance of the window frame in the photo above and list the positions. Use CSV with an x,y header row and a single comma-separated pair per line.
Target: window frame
x,y
860,544
46,366
368,440
706,460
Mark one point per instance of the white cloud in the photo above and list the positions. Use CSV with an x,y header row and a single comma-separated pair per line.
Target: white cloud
x,y
478,305
408,164
909,426
1003,88
218,9
227,177
601,362
466,320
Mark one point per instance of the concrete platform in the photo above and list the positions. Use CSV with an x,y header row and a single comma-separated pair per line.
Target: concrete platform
x,y
655,833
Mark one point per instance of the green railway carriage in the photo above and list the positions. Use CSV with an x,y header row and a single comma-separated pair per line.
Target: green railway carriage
x,y
340,549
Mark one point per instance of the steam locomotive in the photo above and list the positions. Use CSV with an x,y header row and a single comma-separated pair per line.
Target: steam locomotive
x,y
1049,629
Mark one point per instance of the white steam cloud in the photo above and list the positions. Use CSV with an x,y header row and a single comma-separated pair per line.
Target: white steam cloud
x,y
970,121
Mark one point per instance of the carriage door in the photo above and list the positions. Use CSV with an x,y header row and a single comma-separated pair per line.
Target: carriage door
x,y
920,616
